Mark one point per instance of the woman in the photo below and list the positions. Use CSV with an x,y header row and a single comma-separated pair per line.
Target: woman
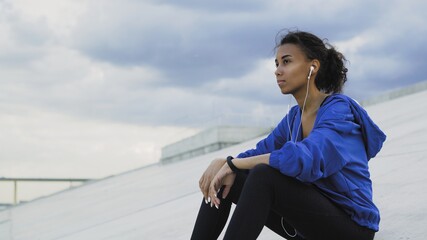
x,y
308,179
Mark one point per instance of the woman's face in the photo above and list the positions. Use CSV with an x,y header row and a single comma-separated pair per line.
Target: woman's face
x,y
292,69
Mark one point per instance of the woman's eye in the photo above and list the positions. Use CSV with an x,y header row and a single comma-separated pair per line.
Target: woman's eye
x,y
285,61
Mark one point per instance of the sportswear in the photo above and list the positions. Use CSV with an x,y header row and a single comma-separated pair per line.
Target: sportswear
x,y
333,157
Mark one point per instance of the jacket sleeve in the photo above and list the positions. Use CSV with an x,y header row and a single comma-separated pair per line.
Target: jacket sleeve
x,y
273,141
332,142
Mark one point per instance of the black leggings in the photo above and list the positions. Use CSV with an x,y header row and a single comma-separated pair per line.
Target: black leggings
x,y
265,195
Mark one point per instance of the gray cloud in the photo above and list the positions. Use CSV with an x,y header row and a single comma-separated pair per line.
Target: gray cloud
x,y
105,82
189,48
147,62
194,47
22,40
209,6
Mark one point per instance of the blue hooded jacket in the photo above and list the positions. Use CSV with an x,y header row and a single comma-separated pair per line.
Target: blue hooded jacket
x,y
333,157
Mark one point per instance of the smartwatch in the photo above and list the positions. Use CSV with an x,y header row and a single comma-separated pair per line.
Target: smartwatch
x,y
231,164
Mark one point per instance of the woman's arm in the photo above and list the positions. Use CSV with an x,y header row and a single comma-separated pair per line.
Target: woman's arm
x,y
250,162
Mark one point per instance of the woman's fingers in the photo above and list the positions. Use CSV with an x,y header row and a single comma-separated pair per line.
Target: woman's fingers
x,y
206,181
213,198
213,191
226,191
228,183
204,188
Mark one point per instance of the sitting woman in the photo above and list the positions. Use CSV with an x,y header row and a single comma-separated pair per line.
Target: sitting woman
x,y
308,179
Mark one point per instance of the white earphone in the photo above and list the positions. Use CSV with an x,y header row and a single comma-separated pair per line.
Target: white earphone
x,y
311,71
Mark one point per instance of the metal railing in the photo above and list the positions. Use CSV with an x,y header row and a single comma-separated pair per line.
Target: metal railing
x,y
16,180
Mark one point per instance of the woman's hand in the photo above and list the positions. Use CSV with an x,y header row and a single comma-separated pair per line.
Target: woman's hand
x,y
208,175
225,177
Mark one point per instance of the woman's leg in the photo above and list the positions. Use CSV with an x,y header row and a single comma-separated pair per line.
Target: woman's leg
x,y
301,205
278,224
211,221
253,209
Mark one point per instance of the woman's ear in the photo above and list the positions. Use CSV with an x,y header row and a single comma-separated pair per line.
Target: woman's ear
x,y
316,65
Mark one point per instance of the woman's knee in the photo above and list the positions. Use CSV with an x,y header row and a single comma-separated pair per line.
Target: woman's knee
x,y
262,174
261,170
268,176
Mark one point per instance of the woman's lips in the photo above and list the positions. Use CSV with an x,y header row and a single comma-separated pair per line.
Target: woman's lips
x,y
281,82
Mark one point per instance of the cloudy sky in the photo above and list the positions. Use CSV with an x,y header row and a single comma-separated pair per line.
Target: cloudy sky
x,y
91,88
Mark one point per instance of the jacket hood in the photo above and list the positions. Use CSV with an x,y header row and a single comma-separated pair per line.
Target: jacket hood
x,y
373,137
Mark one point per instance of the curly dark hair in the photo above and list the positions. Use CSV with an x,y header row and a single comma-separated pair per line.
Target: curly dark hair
x,y
332,73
